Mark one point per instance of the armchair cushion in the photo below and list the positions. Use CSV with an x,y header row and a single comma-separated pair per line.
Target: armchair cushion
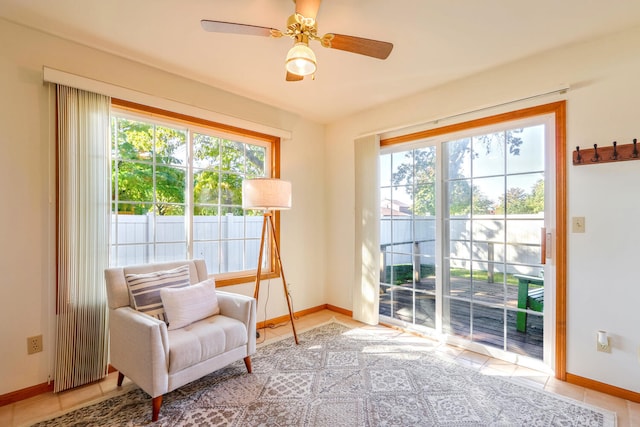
x,y
183,306
203,340
144,289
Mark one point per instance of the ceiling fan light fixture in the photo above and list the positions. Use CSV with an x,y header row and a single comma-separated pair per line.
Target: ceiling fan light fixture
x,y
301,60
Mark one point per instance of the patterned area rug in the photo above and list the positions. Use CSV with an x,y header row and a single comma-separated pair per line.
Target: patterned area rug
x,y
339,376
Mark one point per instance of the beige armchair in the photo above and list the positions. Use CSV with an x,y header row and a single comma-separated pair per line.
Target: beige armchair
x,y
159,359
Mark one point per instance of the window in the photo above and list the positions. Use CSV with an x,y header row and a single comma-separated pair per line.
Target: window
x,y
177,191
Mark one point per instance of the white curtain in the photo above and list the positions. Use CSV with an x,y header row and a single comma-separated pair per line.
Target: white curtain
x,y
84,170
367,231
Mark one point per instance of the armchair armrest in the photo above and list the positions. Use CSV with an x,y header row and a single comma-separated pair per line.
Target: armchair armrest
x,y
242,308
140,349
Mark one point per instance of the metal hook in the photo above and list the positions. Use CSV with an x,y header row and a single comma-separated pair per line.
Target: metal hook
x,y
596,156
614,156
635,149
579,156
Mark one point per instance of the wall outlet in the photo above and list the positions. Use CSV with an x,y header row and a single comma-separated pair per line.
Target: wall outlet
x,y
578,224
34,344
604,348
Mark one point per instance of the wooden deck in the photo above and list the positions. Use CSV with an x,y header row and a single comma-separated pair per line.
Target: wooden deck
x,y
481,321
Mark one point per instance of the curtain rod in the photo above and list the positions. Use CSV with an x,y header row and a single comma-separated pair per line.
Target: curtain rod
x,y
513,101
560,90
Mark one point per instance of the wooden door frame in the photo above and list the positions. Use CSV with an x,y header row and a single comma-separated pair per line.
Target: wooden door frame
x,y
558,109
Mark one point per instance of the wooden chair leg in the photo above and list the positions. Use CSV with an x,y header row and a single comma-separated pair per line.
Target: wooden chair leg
x,y
120,379
247,363
156,403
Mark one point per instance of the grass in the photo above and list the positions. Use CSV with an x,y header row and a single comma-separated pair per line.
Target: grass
x,y
403,273
483,276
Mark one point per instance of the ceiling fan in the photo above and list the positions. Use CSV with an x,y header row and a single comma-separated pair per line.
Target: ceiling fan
x,y
302,27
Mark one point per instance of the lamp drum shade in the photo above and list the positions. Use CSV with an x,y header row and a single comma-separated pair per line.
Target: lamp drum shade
x,y
266,194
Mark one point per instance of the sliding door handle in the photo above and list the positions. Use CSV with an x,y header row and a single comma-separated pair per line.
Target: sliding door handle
x,y
543,245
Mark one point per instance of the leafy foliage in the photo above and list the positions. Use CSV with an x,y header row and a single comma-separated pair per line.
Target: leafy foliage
x,y
149,172
416,174
518,201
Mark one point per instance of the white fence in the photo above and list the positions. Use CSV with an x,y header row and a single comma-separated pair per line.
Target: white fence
x,y
226,243
231,243
491,244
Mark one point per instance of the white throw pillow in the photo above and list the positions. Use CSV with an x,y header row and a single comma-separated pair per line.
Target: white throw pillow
x,y
184,306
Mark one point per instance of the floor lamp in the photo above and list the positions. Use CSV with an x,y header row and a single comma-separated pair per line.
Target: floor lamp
x,y
269,195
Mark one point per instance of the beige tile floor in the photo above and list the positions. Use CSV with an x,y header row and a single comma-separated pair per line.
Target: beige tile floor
x,y
25,412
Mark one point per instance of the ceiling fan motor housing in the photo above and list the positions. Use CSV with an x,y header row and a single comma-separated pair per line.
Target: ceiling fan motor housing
x,y
302,29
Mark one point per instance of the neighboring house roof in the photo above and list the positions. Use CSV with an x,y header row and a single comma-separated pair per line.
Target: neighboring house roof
x,y
390,212
394,207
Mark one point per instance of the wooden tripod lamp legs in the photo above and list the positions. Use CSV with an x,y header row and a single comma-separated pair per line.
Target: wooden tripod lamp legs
x,y
268,219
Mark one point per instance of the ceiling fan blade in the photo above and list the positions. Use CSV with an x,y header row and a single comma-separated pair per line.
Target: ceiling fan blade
x,y
368,47
293,77
308,8
233,28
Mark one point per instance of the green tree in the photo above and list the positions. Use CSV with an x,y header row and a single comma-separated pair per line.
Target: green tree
x,y
136,144
520,202
424,202
151,168
463,197
221,165
536,199
516,201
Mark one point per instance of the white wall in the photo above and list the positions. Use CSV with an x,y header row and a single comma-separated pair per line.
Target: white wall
x,y
602,106
318,233
303,233
27,183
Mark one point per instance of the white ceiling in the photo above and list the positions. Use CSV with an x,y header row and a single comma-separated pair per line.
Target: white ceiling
x,y
435,41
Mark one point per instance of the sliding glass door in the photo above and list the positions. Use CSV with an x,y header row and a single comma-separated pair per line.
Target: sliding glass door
x,y
461,234
493,217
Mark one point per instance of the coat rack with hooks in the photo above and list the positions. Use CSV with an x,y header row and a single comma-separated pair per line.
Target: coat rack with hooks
x,y
614,153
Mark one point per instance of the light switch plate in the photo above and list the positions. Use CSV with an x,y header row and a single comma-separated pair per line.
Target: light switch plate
x,y
578,225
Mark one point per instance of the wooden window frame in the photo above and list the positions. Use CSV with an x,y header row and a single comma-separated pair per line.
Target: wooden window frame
x,y
231,278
